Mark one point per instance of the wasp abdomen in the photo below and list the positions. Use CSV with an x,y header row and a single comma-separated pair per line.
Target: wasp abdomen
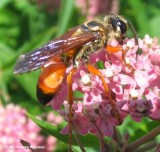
x,y
49,82
44,98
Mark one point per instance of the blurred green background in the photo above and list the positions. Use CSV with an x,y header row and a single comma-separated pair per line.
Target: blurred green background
x,y
28,24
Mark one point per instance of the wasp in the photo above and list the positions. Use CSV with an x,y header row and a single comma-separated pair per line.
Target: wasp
x,y
73,47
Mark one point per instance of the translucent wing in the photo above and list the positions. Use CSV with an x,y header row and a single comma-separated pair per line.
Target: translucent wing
x,y
37,58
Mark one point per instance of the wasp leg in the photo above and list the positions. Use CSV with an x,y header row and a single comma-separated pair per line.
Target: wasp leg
x,y
95,71
70,102
114,49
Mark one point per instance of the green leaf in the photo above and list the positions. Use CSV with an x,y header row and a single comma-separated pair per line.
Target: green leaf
x,y
154,22
3,89
38,41
65,15
28,82
139,11
3,3
6,54
100,65
78,94
88,140
144,129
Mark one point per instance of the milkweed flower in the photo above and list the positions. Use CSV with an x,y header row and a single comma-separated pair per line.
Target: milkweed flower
x,y
14,126
134,84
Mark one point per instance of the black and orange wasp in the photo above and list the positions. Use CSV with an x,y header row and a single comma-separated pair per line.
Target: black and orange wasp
x,y
70,48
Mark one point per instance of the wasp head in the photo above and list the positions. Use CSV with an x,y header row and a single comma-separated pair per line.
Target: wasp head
x,y
119,26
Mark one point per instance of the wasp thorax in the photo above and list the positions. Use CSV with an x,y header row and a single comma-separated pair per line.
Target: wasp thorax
x,y
95,25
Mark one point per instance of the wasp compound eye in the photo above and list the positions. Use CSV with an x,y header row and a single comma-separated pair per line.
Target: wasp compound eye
x,y
122,26
118,25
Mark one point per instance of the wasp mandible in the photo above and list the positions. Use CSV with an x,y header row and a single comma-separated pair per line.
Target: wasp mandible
x,y
74,48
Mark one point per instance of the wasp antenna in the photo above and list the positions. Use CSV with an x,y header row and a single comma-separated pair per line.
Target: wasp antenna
x,y
134,32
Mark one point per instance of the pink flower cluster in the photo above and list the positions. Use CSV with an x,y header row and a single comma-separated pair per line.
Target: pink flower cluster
x,y
134,84
14,125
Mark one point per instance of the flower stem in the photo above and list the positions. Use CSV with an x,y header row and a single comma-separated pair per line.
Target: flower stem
x,y
143,139
147,146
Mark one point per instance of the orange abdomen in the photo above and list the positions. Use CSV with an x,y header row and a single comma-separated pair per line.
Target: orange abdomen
x,y
49,82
